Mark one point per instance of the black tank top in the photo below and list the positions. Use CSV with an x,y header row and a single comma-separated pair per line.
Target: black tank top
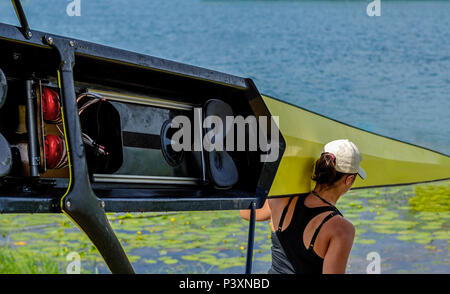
x,y
289,254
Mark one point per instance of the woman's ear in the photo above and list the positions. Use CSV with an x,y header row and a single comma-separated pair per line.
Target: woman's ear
x,y
349,180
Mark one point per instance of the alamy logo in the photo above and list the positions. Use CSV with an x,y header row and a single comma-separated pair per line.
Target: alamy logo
x,y
218,128
74,266
374,8
74,8
374,266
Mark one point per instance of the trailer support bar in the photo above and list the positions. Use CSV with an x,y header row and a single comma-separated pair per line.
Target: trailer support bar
x,y
251,239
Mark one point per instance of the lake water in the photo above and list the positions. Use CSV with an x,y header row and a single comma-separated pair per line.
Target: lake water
x,y
388,74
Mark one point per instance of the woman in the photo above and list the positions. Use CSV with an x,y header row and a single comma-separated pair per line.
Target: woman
x,y
309,234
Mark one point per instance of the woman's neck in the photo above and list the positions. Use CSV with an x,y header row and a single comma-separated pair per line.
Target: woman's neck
x,y
329,194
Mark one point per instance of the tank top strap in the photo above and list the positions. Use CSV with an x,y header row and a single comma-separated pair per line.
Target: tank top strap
x,y
327,218
283,215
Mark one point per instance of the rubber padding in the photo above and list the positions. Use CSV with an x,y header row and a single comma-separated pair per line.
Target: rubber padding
x,y
3,88
5,157
220,166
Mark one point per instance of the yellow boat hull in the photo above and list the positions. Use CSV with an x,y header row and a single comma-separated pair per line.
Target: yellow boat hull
x,y
386,161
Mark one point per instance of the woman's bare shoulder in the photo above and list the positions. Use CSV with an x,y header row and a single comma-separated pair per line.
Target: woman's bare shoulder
x,y
341,227
277,203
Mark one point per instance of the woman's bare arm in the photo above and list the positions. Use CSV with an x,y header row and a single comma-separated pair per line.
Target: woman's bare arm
x,y
262,214
336,257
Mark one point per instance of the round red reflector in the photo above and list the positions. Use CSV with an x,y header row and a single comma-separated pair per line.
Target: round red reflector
x,y
54,150
51,107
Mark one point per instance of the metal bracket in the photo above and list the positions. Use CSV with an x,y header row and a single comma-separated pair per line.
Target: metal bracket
x,y
22,19
33,148
80,202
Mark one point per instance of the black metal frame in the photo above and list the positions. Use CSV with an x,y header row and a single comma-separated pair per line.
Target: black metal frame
x,y
22,19
79,201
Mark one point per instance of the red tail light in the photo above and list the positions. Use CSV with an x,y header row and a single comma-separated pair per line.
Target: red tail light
x,y
51,106
55,151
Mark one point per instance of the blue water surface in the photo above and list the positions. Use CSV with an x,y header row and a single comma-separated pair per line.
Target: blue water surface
x,y
388,74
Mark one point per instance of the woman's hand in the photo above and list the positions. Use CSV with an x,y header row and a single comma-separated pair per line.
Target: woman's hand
x,y
262,214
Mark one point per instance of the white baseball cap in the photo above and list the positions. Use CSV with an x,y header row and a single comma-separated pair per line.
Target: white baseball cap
x,y
347,157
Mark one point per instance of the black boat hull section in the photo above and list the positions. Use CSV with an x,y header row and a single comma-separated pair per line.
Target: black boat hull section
x,y
88,136
109,70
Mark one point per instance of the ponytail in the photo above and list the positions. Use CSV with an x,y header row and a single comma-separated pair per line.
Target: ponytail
x,y
324,170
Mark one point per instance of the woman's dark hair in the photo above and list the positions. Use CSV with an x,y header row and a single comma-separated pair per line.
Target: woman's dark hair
x,y
324,171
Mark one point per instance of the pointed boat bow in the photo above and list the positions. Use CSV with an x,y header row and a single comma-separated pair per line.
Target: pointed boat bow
x,y
387,161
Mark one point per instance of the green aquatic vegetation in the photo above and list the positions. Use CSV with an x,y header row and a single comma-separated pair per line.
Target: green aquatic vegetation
x,y
378,202
386,215
168,260
224,263
14,261
197,236
441,235
133,258
210,259
396,225
351,216
259,238
365,241
121,216
432,226
383,229
362,194
204,257
201,241
17,221
265,258
407,232
424,240
359,230
431,198
190,257
418,237
404,211
426,216
408,237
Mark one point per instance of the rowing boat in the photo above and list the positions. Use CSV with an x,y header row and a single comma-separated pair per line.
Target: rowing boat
x,y
387,161
87,129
